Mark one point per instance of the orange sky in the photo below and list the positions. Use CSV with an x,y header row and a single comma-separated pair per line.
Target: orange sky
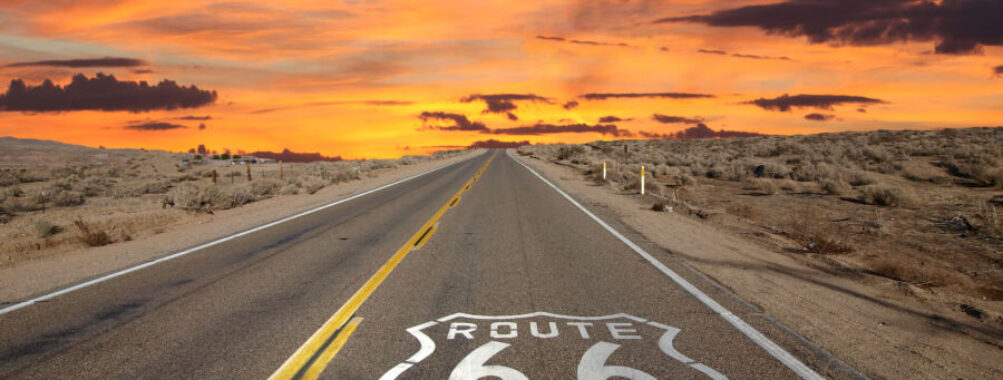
x,y
307,75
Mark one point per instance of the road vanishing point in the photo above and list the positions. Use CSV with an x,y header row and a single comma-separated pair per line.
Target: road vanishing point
x,y
482,269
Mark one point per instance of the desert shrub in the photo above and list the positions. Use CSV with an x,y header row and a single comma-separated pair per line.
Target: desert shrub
x,y
788,185
44,229
311,183
886,195
23,204
524,151
238,196
381,164
407,160
193,196
14,191
568,151
95,186
90,236
743,210
159,186
32,176
68,198
265,187
766,186
290,189
834,187
684,179
858,178
7,178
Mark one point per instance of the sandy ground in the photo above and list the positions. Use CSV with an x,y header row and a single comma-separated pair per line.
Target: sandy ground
x,y
51,272
878,333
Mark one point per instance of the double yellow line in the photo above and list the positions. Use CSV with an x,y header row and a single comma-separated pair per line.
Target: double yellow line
x,y
312,357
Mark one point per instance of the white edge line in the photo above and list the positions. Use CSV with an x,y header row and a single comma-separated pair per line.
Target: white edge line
x,y
172,256
765,343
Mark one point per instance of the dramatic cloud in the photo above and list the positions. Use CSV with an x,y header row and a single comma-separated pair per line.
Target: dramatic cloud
x,y
495,144
700,131
504,103
998,70
631,95
104,93
459,122
819,117
542,129
785,102
957,26
571,104
193,117
201,126
717,52
155,126
336,103
581,42
675,119
611,119
740,55
94,62
289,156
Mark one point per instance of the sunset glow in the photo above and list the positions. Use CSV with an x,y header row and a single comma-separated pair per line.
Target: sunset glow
x,y
352,79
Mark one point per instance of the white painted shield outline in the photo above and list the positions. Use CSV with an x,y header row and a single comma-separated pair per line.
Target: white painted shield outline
x,y
428,345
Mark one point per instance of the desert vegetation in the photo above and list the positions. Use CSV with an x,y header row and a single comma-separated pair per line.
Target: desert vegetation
x,y
62,197
917,208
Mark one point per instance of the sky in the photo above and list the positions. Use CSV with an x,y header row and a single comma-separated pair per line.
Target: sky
x,y
382,79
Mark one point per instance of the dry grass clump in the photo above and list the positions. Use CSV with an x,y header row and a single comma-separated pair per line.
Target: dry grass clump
x,y
44,229
90,236
766,186
197,197
887,195
834,187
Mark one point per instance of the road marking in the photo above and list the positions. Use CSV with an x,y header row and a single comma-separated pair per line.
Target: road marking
x,y
325,357
605,334
426,236
757,337
293,367
172,256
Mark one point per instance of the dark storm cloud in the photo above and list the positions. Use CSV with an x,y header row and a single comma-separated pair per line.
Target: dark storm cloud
x,y
504,103
581,42
155,126
105,93
571,104
675,119
495,144
632,95
544,129
142,71
460,122
785,102
998,70
700,131
90,62
957,26
819,117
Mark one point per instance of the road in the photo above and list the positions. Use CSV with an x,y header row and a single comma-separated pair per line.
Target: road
x,y
477,269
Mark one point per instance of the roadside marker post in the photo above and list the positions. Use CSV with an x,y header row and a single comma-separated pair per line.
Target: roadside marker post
x,y
604,171
642,179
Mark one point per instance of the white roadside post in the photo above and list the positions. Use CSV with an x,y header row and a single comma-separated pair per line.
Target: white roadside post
x,y
642,179
604,171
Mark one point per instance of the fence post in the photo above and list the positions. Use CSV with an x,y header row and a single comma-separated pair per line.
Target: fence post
x,y
214,176
248,172
642,179
280,170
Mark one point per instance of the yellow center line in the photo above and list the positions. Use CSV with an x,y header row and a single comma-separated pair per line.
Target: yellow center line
x,y
294,365
318,366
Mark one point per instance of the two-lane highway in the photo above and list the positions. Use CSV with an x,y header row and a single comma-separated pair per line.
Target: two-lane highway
x,y
477,270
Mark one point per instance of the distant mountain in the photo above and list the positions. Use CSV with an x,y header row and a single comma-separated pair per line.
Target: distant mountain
x,y
289,156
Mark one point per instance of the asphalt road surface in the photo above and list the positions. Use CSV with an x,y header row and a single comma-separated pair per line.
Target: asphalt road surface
x,y
477,270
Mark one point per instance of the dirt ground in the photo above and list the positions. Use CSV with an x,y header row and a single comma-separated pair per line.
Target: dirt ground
x,y
909,290
139,227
